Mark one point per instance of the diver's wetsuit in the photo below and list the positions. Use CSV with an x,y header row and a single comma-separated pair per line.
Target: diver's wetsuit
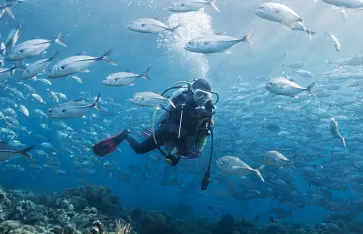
x,y
193,127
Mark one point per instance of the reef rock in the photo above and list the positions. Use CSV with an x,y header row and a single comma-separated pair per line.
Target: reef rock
x,y
96,196
9,225
29,213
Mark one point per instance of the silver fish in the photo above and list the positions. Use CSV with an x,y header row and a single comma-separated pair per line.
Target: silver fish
x,y
285,87
6,151
32,48
191,5
78,63
75,109
124,78
215,43
37,67
237,167
148,25
149,99
13,37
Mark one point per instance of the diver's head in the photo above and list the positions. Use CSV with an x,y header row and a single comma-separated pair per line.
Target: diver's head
x,y
201,91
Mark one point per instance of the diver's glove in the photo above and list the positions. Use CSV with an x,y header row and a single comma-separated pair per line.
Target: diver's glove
x,y
172,160
194,152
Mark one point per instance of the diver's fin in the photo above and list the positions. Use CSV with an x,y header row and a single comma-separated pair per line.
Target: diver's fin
x,y
108,145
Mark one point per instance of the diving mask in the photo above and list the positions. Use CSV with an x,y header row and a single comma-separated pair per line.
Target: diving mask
x,y
201,97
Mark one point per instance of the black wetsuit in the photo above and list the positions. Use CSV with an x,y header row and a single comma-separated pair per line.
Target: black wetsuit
x,y
194,124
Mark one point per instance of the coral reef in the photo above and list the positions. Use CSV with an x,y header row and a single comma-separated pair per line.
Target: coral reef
x,y
84,210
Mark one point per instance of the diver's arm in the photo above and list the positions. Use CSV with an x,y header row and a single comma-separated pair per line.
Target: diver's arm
x,y
203,136
177,98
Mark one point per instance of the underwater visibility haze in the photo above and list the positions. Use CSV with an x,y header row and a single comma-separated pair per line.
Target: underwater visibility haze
x,y
181,116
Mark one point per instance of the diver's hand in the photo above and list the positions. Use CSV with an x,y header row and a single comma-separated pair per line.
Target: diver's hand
x,y
194,152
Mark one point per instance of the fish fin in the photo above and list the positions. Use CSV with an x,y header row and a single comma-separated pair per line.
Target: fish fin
x,y
130,85
213,4
228,52
80,53
86,71
58,40
247,37
12,70
106,57
311,33
96,102
288,24
173,29
261,168
344,143
292,161
10,13
144,75
171,102
310,89
258,173
20,66
236,167
24,152
53,57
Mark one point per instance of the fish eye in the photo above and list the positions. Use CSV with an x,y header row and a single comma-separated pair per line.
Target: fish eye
x,y
182,4
190,43
222,160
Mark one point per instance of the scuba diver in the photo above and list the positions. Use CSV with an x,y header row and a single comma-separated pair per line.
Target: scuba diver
x,y
183,130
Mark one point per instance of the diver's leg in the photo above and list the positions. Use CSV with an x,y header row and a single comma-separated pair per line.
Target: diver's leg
x,y
108,145
147,145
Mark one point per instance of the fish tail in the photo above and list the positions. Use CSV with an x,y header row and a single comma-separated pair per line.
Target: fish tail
x,y
292,161
24,152
53,57
310,89
173,29
58,40
20,66
106,57
95,104
8,11
12,70
344,143
311,33
2,46
258,173
144,75
171,102
247,37
213,4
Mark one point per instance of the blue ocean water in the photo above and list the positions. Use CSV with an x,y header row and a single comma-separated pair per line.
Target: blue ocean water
x,y
93,27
